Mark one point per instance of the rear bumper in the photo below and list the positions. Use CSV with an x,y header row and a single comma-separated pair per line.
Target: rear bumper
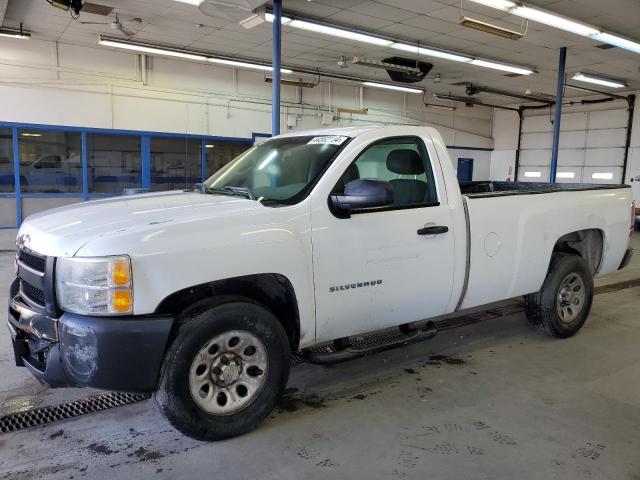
x,y
113,353
626,259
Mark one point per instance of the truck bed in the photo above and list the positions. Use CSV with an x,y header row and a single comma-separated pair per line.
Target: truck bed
x,y
498,189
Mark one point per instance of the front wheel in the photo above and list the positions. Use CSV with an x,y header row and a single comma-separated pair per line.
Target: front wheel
x,y
563,303
225,370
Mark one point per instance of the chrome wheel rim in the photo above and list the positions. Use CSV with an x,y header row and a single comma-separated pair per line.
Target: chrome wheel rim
x,y
228,372
571,298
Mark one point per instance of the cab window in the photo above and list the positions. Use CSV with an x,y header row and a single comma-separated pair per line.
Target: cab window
x,y
401,161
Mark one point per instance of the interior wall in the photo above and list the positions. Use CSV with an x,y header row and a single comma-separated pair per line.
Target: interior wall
x,y
60,84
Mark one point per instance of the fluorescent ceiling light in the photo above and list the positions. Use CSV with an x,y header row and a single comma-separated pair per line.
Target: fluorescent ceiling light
x,y
255,66
430,52
187,55
30,134
501,66
602,176
565,175
372,62
191,2
339,32
15,33
500,4
554,20
533,174
208,145
605,82
392,87
617,41
563,23
153,50
269,18
450,108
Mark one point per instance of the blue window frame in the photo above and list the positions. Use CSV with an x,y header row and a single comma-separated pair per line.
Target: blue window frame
x,y
76,162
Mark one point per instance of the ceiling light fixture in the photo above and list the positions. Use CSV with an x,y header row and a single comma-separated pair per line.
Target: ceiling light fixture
x,y
191,2
152,50
501,66
490,28
605,82
15,33
431,52
386,86
450,108
165,51
337,31
563,23
254,66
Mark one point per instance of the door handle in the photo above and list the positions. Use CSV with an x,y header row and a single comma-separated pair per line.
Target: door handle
x,y
435,230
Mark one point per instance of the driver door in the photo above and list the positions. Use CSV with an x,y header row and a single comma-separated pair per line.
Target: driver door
x,y
374,270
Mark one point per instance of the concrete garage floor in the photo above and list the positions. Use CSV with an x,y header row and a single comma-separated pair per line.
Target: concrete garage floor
x,y
502,402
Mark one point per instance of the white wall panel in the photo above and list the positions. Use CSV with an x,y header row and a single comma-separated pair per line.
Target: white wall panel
x,y
607,138
535,140
573,139
608,119
535,157
605,156
616,174
502,165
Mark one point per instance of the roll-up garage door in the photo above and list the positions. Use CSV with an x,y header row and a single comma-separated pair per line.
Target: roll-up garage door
x,y
592,146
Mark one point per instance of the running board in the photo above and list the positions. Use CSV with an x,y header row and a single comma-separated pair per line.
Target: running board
x,y
361,346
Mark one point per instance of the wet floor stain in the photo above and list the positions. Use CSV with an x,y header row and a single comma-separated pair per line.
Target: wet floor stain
x,y
145,455
293,403
101,449
444,359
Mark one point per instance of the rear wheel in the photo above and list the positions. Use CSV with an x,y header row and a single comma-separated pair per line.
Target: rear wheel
x,y
563,303
224,371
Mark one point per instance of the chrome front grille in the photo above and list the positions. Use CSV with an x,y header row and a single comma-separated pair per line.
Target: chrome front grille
x,y
32,272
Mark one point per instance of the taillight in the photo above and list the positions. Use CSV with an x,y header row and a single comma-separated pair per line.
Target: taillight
x,y
632,227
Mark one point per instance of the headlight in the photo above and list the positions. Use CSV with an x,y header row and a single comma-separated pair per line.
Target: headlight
x,y
98,285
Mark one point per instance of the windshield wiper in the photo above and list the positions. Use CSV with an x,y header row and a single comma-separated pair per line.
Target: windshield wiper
x,y
236,191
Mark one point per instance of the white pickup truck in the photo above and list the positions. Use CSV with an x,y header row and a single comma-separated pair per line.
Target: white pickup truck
x,y
300,243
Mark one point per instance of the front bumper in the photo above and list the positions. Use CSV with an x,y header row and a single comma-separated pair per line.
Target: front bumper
x,y
112,353
626,259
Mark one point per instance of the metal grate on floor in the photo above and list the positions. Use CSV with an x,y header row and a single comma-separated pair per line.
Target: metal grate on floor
x,y
42,416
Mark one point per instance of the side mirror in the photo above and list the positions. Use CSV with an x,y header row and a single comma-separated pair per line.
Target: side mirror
x,y
362,194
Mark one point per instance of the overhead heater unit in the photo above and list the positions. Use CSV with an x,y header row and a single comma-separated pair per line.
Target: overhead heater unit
x,y
404,70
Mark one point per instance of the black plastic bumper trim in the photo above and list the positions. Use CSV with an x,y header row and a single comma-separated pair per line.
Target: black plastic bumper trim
x,y
626,259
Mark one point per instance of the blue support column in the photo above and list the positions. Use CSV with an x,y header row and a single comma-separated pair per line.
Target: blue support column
x,y
85,170
558,115
145,146
277,60
16,173
203,160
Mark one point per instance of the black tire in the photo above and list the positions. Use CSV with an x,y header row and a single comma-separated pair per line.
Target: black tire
x,y
543,308
198,325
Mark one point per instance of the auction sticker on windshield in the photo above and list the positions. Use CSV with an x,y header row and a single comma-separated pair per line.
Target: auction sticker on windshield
x,y
328,140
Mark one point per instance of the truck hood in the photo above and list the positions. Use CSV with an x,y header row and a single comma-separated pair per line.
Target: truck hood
x,y
63,231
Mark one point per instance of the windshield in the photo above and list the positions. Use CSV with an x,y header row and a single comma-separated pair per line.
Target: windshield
x,y
280,170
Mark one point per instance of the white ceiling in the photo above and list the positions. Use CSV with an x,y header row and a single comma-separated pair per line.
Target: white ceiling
x,y
432,22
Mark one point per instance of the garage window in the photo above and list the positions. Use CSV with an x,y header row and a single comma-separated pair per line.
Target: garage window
x,y
175,163
7,178
218,154
50,162
113,162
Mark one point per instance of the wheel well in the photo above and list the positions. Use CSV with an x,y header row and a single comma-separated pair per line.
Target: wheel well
x,y
272,290
587,243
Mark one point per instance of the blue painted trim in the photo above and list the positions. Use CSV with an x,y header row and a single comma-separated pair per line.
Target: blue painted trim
x,y
85,169
8,228
145,146
478,149
203,159
16,173
108,131
52,195
260,135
